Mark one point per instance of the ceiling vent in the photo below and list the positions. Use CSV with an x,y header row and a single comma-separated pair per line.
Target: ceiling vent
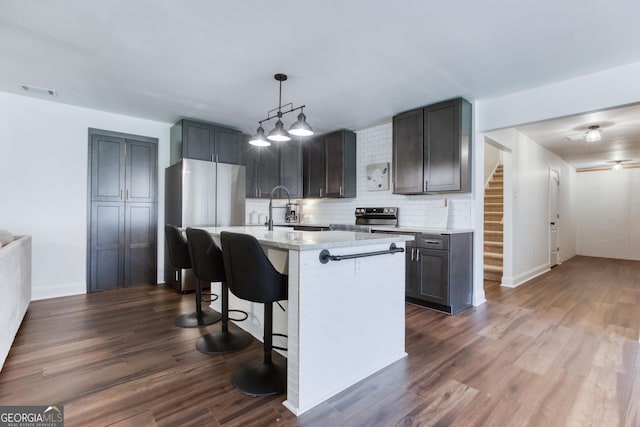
x,y
38,90
578,137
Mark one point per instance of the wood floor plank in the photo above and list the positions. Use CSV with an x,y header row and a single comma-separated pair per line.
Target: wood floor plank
x,y
559,350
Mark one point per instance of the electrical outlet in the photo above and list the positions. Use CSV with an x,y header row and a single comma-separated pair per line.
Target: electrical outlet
x,y
358,268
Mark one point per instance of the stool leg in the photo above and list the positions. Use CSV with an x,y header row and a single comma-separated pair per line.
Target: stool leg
x,y
199,317
224,341
268,331
263,377
225,307
199,296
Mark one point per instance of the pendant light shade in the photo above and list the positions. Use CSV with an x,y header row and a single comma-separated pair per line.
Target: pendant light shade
x,y
279,133
301,127
259,140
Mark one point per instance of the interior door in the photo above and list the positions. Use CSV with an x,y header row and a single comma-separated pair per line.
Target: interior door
x,y
554,216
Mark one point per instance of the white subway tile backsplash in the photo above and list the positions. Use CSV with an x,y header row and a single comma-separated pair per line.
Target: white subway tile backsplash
x,y
374,145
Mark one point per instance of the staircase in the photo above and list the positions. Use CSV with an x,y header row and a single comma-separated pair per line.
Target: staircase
x,y
493,221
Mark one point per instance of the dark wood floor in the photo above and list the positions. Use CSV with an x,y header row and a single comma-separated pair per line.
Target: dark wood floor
x,y
559,350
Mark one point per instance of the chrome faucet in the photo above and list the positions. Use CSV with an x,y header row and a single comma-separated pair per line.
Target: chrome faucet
x,y
277,187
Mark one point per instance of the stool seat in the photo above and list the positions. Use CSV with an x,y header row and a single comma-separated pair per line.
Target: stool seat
x,y
208,265
178,249
252,277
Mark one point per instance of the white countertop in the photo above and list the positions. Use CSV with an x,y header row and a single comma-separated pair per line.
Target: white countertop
x,y
399,230
284,238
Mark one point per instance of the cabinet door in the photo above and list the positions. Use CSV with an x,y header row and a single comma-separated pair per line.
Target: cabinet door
x,y
408,153
197,140
250,159
268,171
141,171
291,168
107,168
442,156
334,156
106,259
314,168
411,277
228,146
140,244
434,275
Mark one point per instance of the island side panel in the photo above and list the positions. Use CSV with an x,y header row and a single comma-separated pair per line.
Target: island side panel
x,y
293,383
350,320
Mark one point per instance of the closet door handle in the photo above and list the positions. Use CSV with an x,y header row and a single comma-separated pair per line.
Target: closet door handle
x,y
121,194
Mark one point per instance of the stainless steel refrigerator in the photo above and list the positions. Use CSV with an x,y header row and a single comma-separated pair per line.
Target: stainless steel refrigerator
x,y
201,194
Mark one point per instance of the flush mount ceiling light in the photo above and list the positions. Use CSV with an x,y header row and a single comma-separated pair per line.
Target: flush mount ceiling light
x,y
593,134
279,133
617,164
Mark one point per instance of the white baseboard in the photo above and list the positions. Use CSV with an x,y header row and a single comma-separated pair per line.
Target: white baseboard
x,y
514,282
39,292
479,299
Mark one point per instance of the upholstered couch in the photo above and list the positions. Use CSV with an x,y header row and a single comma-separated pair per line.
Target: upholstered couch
x,y
15,290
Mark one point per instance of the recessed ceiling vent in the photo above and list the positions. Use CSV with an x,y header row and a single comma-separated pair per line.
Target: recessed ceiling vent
x,y
38,90
575,138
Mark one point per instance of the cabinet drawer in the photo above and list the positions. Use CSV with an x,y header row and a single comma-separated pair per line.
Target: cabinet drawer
x,y
433,241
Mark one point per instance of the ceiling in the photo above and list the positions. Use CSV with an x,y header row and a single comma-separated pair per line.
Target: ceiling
x,y
353,63
620,131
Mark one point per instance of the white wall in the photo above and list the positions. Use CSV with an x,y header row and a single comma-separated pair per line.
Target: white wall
x,y
608,212
492,157
605,89
374,145
43,184
528,174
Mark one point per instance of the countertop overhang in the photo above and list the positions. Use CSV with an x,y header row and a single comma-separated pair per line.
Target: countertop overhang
x,y
310,240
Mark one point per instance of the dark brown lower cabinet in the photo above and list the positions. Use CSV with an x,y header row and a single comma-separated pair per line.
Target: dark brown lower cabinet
x,y
439,272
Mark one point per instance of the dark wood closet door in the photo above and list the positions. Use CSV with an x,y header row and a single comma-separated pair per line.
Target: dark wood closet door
x,y
141,171
107,168
106,264
122,247
140,244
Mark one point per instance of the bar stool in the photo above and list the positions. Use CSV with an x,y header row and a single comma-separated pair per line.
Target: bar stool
x,y
180,258
208,266
252,277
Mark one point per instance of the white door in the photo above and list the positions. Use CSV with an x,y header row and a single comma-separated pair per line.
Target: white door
x,y
554,216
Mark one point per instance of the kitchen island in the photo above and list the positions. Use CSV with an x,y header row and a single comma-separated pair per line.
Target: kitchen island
x,y
344,318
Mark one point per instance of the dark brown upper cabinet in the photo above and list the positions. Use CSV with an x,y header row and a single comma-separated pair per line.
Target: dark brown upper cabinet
x,y
205,141
278,164
432,149
329,168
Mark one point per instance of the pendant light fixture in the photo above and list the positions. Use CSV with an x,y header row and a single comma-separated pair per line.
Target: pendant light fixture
x,y
279,133
593,134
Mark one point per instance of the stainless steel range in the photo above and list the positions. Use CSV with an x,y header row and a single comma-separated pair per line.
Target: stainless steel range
x,y
368,217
